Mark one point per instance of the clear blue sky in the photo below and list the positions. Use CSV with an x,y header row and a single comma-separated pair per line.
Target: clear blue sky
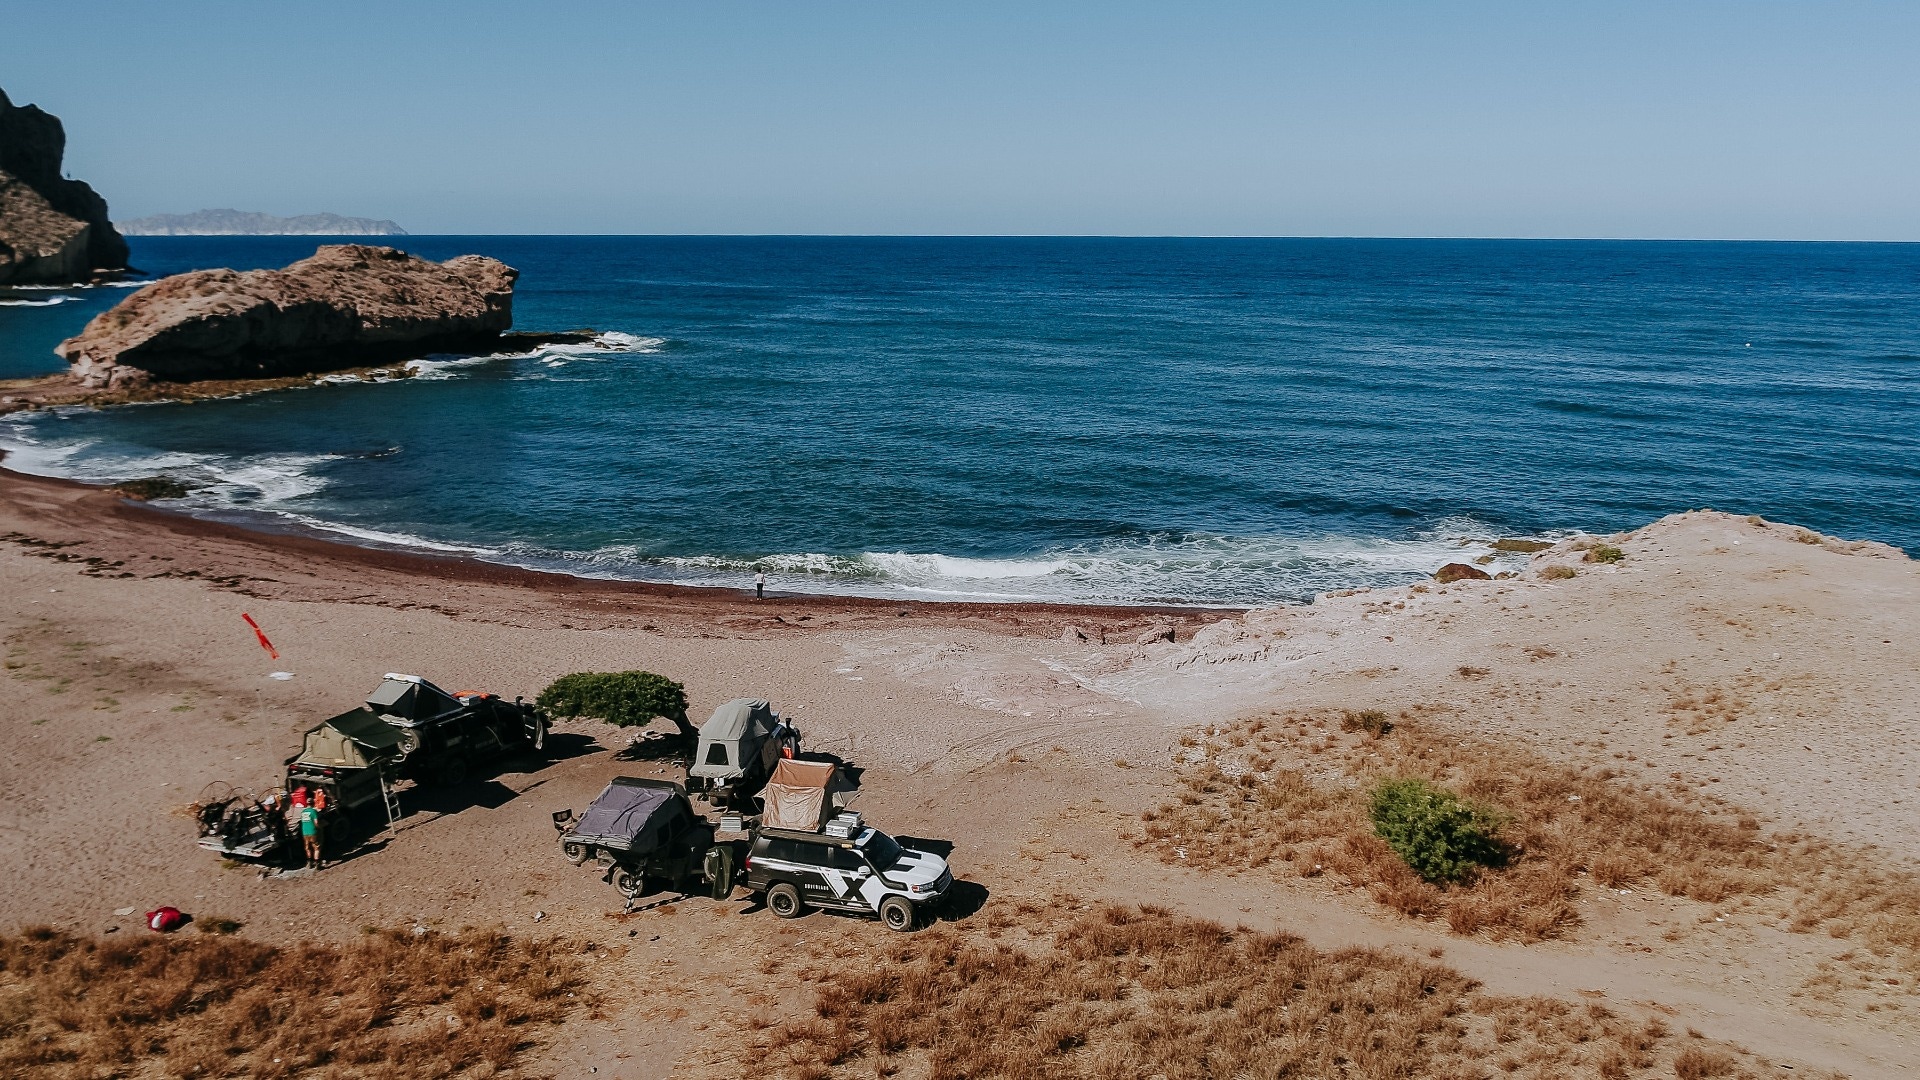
x,y
1747,119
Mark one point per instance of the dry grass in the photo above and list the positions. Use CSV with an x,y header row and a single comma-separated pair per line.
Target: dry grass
x,y
389,1005
1116,992
1290,795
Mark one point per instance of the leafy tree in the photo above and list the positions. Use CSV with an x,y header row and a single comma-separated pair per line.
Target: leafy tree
x,y
621,698
1439,835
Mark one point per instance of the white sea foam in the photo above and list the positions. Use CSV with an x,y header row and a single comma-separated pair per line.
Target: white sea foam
x,y
50,301
1190,569
91,285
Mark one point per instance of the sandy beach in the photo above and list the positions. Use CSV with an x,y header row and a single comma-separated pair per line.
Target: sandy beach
x,y
1741,669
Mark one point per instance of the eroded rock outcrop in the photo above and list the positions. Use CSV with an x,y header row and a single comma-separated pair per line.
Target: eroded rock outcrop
x,y
52,229
348,305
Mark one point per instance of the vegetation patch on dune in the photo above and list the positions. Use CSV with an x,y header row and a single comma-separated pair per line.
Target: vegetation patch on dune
x,y
388,1005
1072,990
1293,794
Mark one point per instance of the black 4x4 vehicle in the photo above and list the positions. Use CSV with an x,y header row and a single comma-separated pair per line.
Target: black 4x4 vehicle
x,y
866,871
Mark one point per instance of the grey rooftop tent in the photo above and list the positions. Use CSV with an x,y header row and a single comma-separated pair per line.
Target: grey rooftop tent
x,y
733,738
632,815
409,700
801,794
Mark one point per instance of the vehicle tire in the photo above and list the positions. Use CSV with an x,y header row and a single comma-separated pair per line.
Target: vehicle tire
x,y
784,900
629,882
575,852
897,913
453,773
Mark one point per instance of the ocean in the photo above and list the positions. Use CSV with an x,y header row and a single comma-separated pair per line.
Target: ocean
x,y
1124,421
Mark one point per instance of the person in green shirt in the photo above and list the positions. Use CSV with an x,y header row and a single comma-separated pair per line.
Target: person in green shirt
x,y
310,834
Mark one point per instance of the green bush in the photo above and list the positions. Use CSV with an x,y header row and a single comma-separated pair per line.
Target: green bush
x,y
1439,835
1606,553
621,698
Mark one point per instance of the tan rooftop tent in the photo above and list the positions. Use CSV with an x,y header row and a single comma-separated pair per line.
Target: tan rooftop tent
x,y
800,794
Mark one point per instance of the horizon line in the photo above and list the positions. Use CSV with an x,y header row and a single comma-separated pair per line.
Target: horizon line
x,y
1050,236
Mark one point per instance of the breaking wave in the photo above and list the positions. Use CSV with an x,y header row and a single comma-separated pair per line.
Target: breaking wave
x,y
1191,569
451,366
50,301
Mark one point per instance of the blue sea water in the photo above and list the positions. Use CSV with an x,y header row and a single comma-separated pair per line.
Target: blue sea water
x,y
1194,421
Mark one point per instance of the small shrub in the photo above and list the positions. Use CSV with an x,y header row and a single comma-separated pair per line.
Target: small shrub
x,y
153,487
1808,536
621,698
1693,1063
1559,573
1605,553
1439,835
1468,671
1372,721
218,924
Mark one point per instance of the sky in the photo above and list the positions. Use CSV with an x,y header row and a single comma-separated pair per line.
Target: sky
x,y
1674,120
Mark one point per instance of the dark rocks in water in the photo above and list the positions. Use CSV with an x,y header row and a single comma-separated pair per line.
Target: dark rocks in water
x,y
1459,571
1524,547
153,487
349,305
52,230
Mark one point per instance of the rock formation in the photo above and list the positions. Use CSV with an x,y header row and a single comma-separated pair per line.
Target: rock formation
x,y
1459,571
349,305
51,229
247,223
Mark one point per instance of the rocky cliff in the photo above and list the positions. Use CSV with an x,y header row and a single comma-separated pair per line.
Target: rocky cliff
x,y
247,223
348,305
51,229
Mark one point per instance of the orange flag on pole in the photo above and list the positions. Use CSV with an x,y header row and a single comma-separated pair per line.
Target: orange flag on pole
x,y
262,635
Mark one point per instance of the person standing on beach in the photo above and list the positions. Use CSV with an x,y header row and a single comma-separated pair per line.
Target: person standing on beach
x,y
759,585
310,834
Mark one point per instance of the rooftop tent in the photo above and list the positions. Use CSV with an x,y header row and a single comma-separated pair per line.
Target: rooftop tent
x,y
410,697
354,740
739,719
800,795
631,814
734,727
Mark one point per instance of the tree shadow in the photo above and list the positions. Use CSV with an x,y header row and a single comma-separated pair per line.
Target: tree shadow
x,y
657,746
566,745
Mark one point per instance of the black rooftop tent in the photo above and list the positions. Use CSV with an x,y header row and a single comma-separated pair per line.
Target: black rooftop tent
x,y
631,814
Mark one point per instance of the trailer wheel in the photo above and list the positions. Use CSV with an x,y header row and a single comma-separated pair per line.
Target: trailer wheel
x,y
453,772
896,913
575,852
629,883
784,900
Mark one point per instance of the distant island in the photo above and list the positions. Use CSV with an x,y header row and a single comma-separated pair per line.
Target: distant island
x,y
246,223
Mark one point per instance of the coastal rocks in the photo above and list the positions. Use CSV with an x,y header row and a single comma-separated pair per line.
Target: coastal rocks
x,y
348,305
1155,634
52,230
1073,635
1456,571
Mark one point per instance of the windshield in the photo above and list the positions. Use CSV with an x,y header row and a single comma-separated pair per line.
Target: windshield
x,y
881,849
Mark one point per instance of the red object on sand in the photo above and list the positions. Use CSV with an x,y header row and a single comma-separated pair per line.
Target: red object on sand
x,y
262,635
166,919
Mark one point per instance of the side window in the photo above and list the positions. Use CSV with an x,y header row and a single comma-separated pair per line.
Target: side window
x,y
717,754
782,850
847,859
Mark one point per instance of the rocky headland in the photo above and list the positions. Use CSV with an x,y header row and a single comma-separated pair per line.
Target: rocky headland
x,y
248,223
348,305
52,230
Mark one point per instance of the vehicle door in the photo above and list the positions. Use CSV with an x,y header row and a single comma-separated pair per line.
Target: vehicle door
x,y
849,877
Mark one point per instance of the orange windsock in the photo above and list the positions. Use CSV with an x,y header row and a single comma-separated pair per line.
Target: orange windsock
x,y
262,635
